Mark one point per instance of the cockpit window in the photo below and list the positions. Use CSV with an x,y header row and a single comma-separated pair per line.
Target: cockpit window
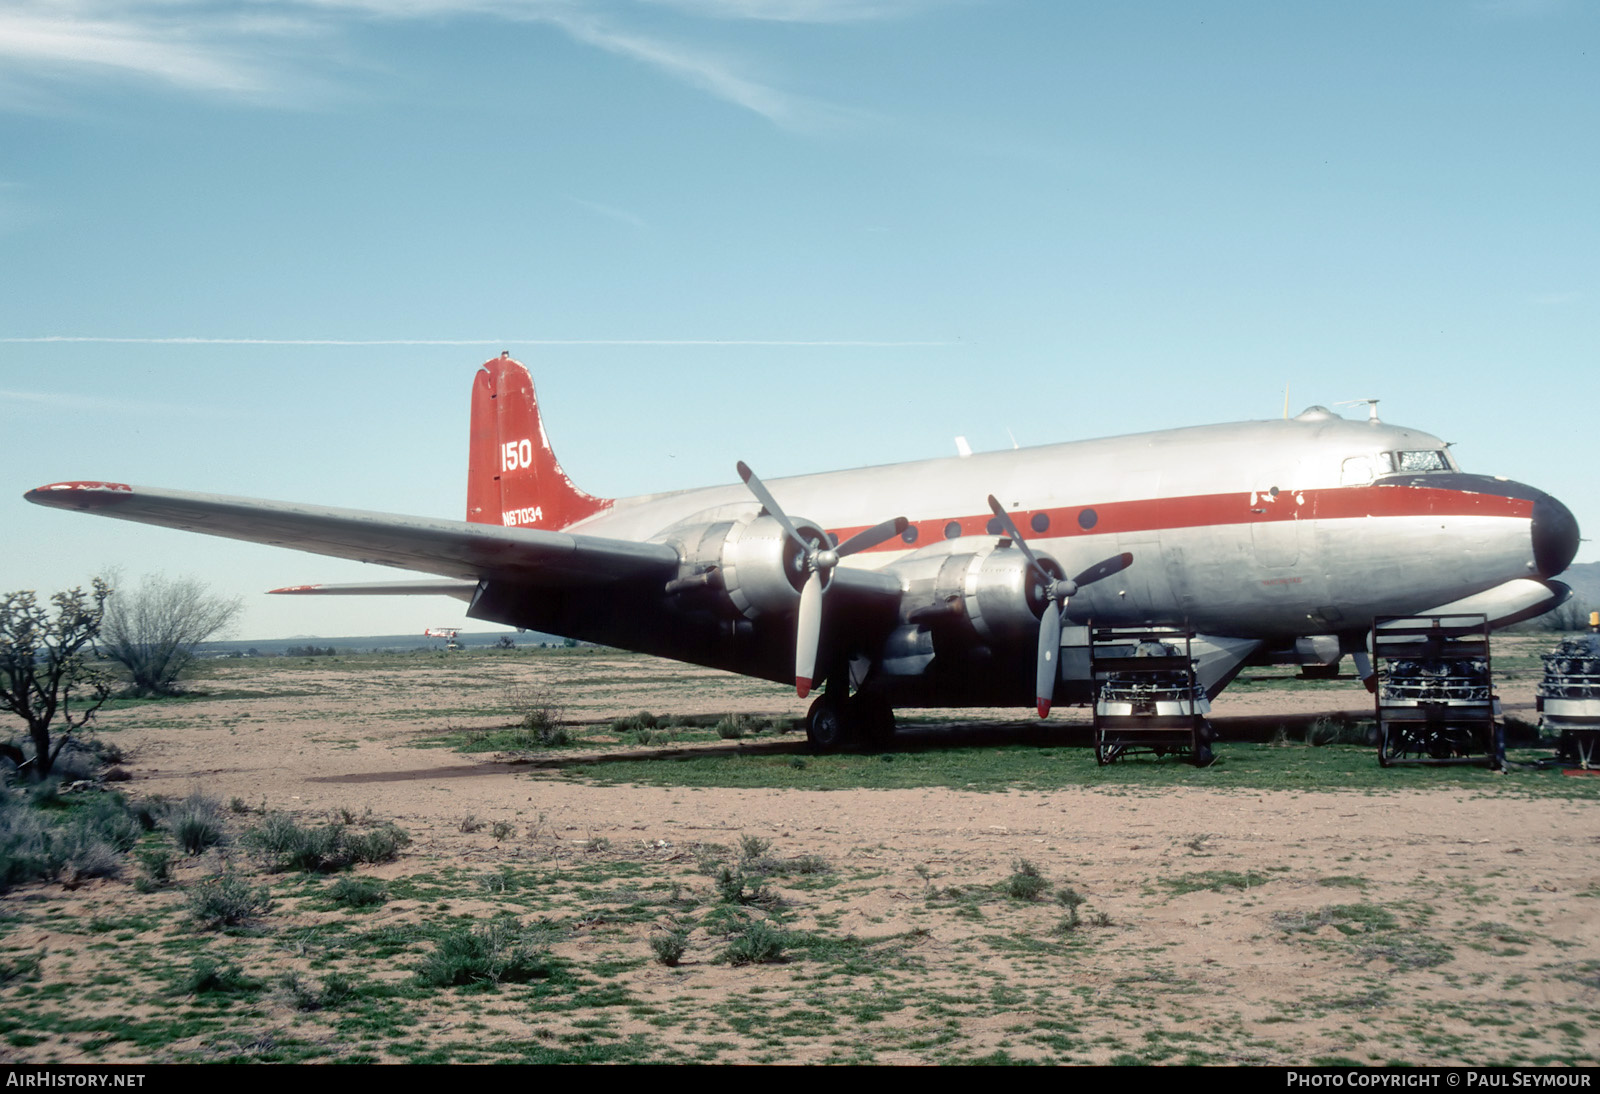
x,y
1433,460
1385,463
1357,471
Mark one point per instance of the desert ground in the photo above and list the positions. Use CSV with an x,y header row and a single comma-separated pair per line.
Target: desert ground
x,y
977,892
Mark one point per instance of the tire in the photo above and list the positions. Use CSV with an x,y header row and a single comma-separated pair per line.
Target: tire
x,y
826,728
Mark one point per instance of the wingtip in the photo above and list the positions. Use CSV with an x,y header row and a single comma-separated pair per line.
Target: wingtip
x,y
294,589
78,495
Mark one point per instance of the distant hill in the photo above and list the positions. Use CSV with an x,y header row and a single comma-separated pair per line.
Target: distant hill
x,y
1584,577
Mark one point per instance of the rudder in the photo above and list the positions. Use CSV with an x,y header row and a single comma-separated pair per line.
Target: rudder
x,y
513,477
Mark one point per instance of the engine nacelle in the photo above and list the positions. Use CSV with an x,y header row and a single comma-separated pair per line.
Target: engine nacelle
x,y
750,564
985,592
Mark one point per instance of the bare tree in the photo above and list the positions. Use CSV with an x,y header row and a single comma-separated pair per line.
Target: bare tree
x,y
152,631
45,676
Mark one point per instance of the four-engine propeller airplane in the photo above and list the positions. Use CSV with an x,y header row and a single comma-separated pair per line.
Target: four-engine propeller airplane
x,y
1271,541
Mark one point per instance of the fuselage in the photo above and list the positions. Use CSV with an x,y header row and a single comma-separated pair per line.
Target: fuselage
x,y
1273,529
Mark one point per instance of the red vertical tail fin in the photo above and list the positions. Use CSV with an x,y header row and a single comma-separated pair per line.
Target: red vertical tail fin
x,y
513,478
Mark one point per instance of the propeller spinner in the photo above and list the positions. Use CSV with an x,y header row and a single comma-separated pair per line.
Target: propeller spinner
x,y
1059,591
818,559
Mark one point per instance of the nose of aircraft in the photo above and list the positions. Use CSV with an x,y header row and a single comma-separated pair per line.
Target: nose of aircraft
x,y
1555,536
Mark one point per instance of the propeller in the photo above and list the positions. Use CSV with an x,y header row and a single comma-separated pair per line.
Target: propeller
x,y
1059,590
817,558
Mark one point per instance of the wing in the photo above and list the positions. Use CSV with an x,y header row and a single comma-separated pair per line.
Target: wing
x,y
454,549
444,586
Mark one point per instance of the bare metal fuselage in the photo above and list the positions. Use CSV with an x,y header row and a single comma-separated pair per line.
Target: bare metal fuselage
x,y
1270,530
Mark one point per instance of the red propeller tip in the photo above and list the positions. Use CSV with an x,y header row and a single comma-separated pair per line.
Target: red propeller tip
x,y
802,686
1044,708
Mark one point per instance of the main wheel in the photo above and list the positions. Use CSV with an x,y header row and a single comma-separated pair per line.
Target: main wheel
x,y
826,727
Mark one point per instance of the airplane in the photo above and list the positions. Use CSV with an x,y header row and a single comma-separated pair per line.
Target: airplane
x,y
1271,542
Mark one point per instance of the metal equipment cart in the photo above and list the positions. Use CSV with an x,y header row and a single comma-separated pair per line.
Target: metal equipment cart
x,y
1569,698
1147,699
1435,695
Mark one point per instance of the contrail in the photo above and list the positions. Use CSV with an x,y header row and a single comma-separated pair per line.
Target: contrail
x,y
464,341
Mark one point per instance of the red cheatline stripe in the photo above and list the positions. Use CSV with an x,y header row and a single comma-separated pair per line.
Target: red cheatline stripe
x,y
1212,510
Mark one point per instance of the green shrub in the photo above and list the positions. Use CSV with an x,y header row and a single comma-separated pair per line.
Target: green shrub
x,y
359,892
157,865
196,823
669,947
735,726
206,976
1025,882
757,944
284,844
541,718
381,844
89,839
731,884
491,954
305,996
226,900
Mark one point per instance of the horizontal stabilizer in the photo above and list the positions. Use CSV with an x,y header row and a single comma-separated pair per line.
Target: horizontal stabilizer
x,y
461,590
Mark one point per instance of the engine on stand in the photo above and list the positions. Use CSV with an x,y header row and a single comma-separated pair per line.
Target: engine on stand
x,y
1569,697
1435,695
1148,697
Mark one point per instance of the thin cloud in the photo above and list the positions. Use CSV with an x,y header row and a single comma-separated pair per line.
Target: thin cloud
x,y
714,75
200,46
194,52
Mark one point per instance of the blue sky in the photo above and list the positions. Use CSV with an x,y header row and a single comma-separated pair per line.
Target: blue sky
x,y
805,233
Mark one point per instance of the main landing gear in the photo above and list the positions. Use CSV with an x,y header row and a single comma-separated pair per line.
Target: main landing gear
x,y
834,723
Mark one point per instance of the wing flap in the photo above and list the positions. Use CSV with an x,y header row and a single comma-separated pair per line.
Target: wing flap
x,y
455,549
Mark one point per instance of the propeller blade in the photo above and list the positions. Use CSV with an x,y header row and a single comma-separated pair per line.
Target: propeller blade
x,y
1016,537
1104,569
1049,650
764,496
808,634
871,537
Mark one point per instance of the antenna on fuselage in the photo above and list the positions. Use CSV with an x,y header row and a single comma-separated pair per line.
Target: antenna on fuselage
x,y
1372,407
1286,402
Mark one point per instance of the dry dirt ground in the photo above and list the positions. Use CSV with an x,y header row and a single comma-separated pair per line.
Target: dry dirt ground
x,y
1289,923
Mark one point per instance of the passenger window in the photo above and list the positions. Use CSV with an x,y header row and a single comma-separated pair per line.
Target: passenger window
x,y
1357,471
